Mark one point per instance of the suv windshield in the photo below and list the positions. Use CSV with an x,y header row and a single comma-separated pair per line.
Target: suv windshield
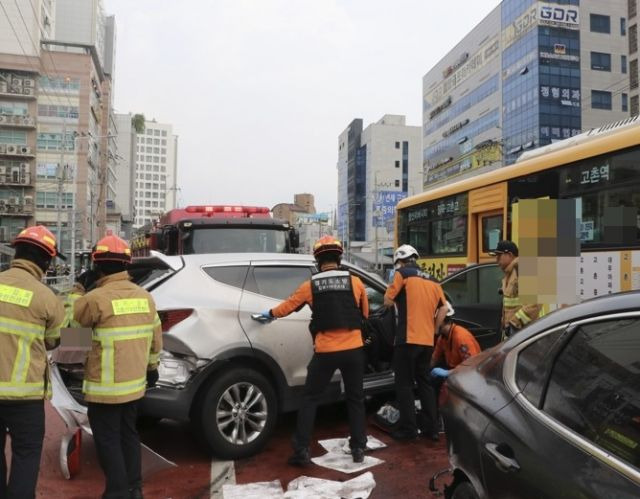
x,y
236,240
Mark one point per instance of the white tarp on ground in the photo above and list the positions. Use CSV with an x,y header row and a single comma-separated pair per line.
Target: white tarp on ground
x,y
337,445
304,487
344,463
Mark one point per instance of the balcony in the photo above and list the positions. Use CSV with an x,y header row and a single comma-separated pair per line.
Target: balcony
x,y
17,121
16,150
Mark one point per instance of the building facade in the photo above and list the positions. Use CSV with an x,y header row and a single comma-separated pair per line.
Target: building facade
x,y
634,76
529,74
377,167
56,89
155,191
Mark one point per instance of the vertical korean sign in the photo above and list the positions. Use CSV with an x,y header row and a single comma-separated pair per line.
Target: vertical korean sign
x,y
384,206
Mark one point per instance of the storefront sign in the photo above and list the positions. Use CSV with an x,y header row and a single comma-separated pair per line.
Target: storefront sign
x,y
519,27
559,57
455,127
471,66
459,62
384,206
440,108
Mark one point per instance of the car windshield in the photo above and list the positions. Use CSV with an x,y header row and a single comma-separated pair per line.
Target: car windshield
x,y
236,240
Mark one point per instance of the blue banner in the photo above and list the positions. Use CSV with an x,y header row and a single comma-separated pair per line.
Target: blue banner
x,y
384,206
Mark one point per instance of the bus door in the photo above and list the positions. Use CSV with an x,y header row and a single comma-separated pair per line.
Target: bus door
x,y
487,221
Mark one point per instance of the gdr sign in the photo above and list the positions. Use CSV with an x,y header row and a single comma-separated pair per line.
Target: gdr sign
x,y
559,16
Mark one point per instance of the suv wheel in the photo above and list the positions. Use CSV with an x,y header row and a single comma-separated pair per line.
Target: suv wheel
x,y
237,413
464,490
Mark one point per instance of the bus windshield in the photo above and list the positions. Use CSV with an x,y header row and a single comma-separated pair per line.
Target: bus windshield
x,y
236,240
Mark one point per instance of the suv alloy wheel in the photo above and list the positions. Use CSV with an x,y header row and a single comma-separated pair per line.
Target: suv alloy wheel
x,y
237,413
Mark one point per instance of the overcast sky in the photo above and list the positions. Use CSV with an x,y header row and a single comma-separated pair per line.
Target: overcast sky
x,y
259,90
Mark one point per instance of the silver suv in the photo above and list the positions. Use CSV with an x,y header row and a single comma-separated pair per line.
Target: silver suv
x,y
226,373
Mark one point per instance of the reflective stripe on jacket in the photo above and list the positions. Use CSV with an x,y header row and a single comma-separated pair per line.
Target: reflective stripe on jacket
x,y
514,313
127,339
30,319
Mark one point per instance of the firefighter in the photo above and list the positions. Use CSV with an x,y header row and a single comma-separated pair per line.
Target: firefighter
x,y
454,345
30,320
419,301
515,315
338,302
84,282
127,339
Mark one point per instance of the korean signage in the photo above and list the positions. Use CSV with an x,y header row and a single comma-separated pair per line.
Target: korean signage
x,y
558,16
519,27
471,65
443,208
558,133
459,62
565,96
384,206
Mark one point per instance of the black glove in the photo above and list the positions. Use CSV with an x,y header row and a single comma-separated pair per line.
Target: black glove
x,y
152,378
88,279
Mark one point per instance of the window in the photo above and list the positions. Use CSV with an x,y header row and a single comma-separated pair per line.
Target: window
x,y
593,387
633,74
633,39
632,8
276,282
600,61
397,145
533,364
13,137
623,26
233,276
475,286
53,141
397,163
14,108
491,232
600,99
600,23
397,183
623,64
625,102
164,133
634,105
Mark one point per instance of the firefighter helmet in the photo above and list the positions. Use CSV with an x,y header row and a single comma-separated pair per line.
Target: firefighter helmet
x,y
41,237
327,244
111,249
403,252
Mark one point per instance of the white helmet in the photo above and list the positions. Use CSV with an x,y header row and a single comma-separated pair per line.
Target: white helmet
x,y
403,252
450,310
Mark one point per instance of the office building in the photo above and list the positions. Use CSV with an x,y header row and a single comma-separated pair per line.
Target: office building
x,y
377,167
156,150
632,16
530,73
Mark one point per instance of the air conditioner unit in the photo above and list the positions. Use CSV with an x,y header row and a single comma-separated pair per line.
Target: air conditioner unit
x,y
3,149
3,87
25,150
4,118
28,120
16,120
16,82
29,82
24,166
12,149
28,200
25,178
28,91
3,170
13,201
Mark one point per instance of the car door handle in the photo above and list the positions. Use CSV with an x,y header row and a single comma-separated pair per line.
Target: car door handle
x,y
505,463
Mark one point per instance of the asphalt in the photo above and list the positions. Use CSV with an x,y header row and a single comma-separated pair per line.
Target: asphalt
x,y
405,472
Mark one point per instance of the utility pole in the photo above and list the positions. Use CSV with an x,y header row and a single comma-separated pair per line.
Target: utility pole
x,y
73,244
61,173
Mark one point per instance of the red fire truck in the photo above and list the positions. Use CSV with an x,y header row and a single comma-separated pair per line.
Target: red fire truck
x,y
217,229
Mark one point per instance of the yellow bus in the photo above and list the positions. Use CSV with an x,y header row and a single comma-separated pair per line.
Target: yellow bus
x,y
458,224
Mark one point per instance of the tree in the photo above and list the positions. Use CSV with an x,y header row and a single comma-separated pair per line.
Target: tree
x,y
137,122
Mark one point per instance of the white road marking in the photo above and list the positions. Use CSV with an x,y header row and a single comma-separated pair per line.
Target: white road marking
x,y
222,472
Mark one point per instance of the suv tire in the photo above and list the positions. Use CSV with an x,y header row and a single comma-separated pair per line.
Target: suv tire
x,y
237,413
464,490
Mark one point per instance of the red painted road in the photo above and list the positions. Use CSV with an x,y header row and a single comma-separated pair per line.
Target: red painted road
x,y
405,473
